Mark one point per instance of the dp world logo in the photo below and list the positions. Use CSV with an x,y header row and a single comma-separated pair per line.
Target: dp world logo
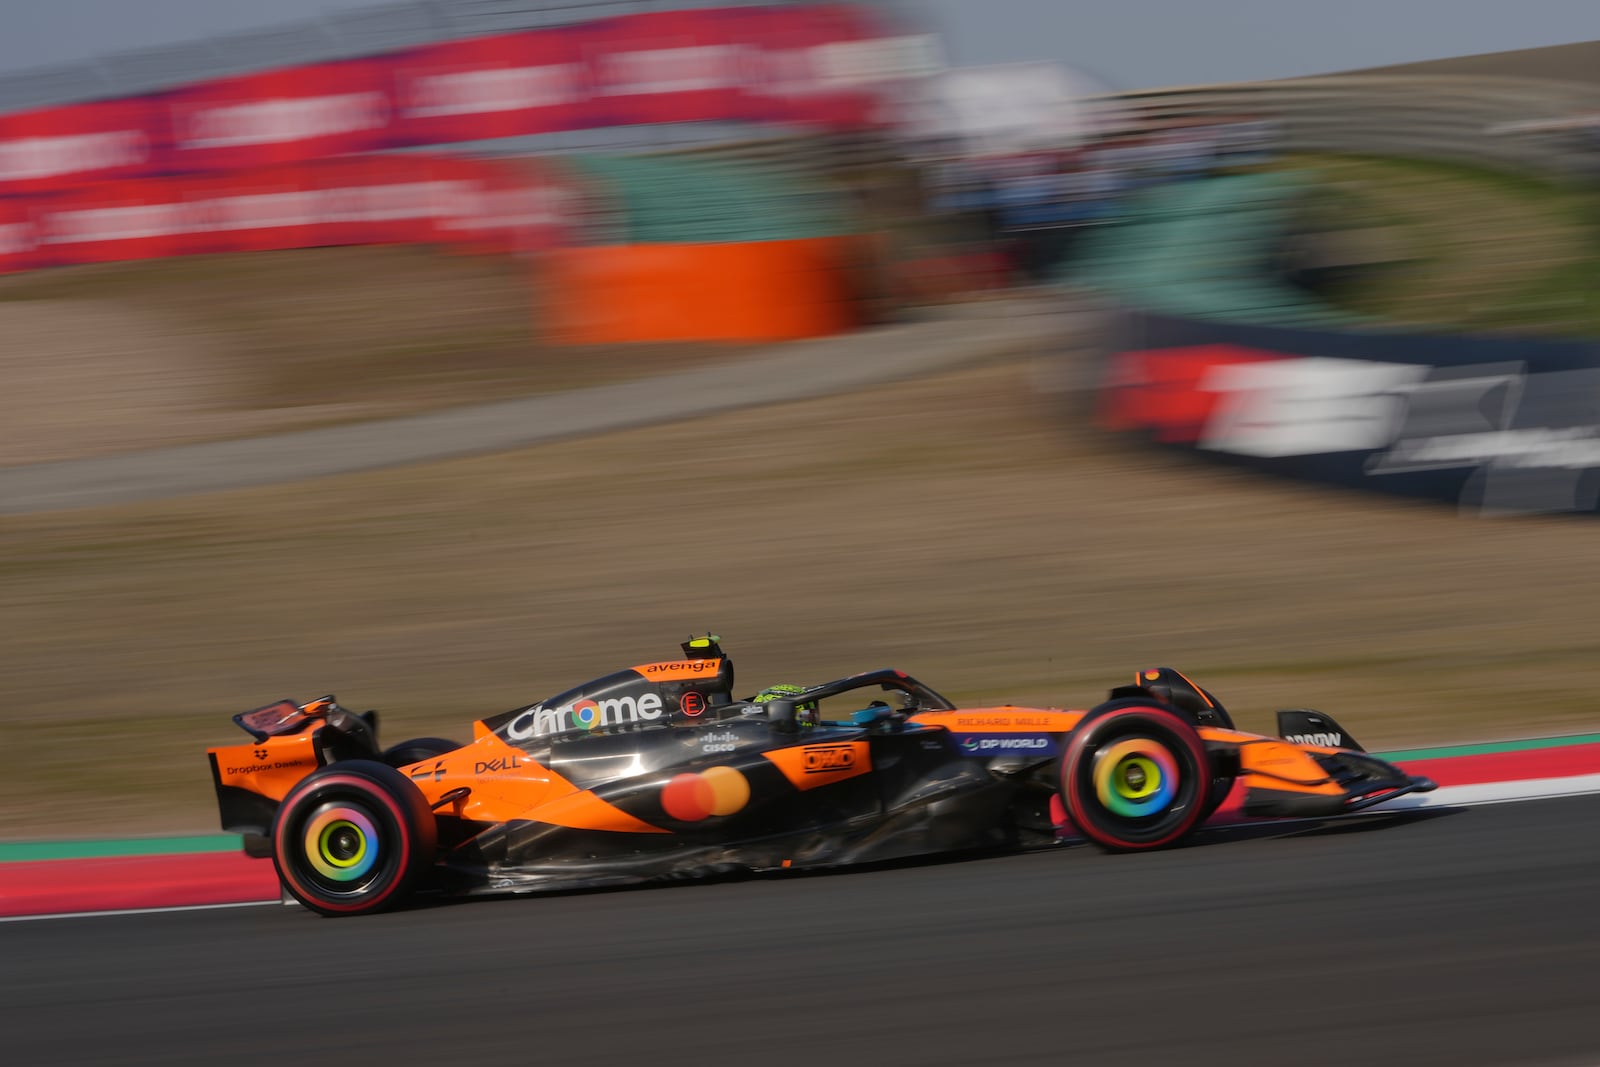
x,y
1009,744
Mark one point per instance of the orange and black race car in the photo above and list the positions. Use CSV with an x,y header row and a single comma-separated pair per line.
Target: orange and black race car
x,y
658,772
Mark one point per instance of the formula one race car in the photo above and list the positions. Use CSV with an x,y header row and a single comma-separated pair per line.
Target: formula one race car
x,y
658,772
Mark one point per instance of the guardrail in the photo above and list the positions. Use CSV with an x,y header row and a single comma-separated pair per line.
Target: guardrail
x,y
1417,115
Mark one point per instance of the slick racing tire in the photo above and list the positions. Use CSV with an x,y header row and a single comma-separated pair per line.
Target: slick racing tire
x,y
416,750
1135,778
353,838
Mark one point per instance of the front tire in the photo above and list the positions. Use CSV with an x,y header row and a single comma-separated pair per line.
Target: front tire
x,y
353,838
1135,778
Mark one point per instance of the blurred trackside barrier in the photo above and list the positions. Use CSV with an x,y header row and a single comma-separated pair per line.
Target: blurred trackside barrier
x,y
810,65
471,204
287,158
1209,354
1493,425
735,291
699,250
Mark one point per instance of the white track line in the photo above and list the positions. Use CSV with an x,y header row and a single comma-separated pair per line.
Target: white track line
x,y
1458,796
136,911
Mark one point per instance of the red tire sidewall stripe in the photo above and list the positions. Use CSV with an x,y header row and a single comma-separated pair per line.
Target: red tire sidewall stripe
x,y
1069,762
372,791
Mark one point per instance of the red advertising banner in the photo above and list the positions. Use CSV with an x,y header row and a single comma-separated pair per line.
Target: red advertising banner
x,y
675,66
825,64
18,236
278,116
501,207
486,87
421,199
137,219
55,147
250,211
374,200
475,205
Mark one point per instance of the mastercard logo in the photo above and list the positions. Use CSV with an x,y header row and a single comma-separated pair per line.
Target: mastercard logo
x,y
714,791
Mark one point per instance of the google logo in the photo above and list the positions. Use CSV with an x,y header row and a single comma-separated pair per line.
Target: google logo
x,y
586,713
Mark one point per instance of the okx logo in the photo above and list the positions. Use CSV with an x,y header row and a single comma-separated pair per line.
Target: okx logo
x,y
824,759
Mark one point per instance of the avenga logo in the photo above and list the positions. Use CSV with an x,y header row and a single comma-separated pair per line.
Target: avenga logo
x,y
1325,740
539,720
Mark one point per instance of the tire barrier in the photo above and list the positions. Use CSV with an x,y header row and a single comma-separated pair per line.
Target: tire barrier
x,y
1493,425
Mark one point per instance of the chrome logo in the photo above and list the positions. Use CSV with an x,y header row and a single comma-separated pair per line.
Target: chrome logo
x,y
341,843
714,791
1135,777
586,713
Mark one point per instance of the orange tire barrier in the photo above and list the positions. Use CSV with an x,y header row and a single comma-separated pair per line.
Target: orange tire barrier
x,y
742,291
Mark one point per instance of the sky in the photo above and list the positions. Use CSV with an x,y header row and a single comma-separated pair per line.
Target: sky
x,y
1126,44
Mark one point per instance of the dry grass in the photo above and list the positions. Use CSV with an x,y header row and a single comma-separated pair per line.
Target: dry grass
x,y
960,528
106,358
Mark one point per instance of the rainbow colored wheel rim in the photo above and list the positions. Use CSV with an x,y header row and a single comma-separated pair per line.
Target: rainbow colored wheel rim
x,y
340,842
1136,777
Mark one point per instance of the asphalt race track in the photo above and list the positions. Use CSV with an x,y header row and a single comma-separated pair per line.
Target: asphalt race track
x,y
1460,937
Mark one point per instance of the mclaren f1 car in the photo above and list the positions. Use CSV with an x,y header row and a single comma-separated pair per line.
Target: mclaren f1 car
x,y
658,772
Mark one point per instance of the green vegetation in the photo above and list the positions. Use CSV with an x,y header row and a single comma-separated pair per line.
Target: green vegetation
x,y
1205,249
1431,246
1460,248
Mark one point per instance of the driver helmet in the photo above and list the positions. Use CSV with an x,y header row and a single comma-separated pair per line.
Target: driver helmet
x,y
806,714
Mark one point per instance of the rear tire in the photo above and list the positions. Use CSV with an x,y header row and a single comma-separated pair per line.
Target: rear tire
x,y
1136,777
353,838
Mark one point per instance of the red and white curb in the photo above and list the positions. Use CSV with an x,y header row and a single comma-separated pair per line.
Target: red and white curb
x,y
1463,796
54,888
